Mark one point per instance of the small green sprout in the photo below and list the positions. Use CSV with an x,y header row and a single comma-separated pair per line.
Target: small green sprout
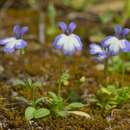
x,y
82,79
55,104
63,80
59,107
33,111
118,64
29,84
64,77
111,96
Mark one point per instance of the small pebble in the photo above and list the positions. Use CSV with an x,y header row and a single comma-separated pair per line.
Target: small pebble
x,y
99,67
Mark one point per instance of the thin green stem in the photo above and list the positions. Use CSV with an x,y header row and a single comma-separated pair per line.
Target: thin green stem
x,y
106,69
59,88
123,74
59,81
33,96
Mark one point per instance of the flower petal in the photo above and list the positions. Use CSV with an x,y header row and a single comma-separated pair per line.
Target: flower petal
x,y
9,50
101,57
68,43
104,42
68,49
115,46
95,49
72,44
5,41
125,46
20,44
71,27
62,26
125,32
78,43
24,30
9,47
16,29
57,43
118,29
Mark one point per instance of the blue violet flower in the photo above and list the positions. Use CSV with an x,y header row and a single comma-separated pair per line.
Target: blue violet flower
x,y
98,52
68,42
15,42
118,43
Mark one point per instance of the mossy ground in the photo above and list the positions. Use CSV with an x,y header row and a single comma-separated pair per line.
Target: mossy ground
x,y
43,65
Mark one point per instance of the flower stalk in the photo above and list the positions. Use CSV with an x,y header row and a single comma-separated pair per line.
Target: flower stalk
x,y
122,74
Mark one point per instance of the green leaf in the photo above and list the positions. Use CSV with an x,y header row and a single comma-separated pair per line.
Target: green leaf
x,y
64,77
61,113
74,105
80,113
29,113
37,84
29,82
52,95
106,91
41,100
19,82
22,99
42,112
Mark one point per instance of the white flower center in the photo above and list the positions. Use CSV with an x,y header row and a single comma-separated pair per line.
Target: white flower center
x,y
12,42
115,44
69,42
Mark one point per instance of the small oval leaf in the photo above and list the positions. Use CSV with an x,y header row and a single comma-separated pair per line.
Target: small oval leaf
x,y
74,105
29,113
61,113
80,113
42,112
